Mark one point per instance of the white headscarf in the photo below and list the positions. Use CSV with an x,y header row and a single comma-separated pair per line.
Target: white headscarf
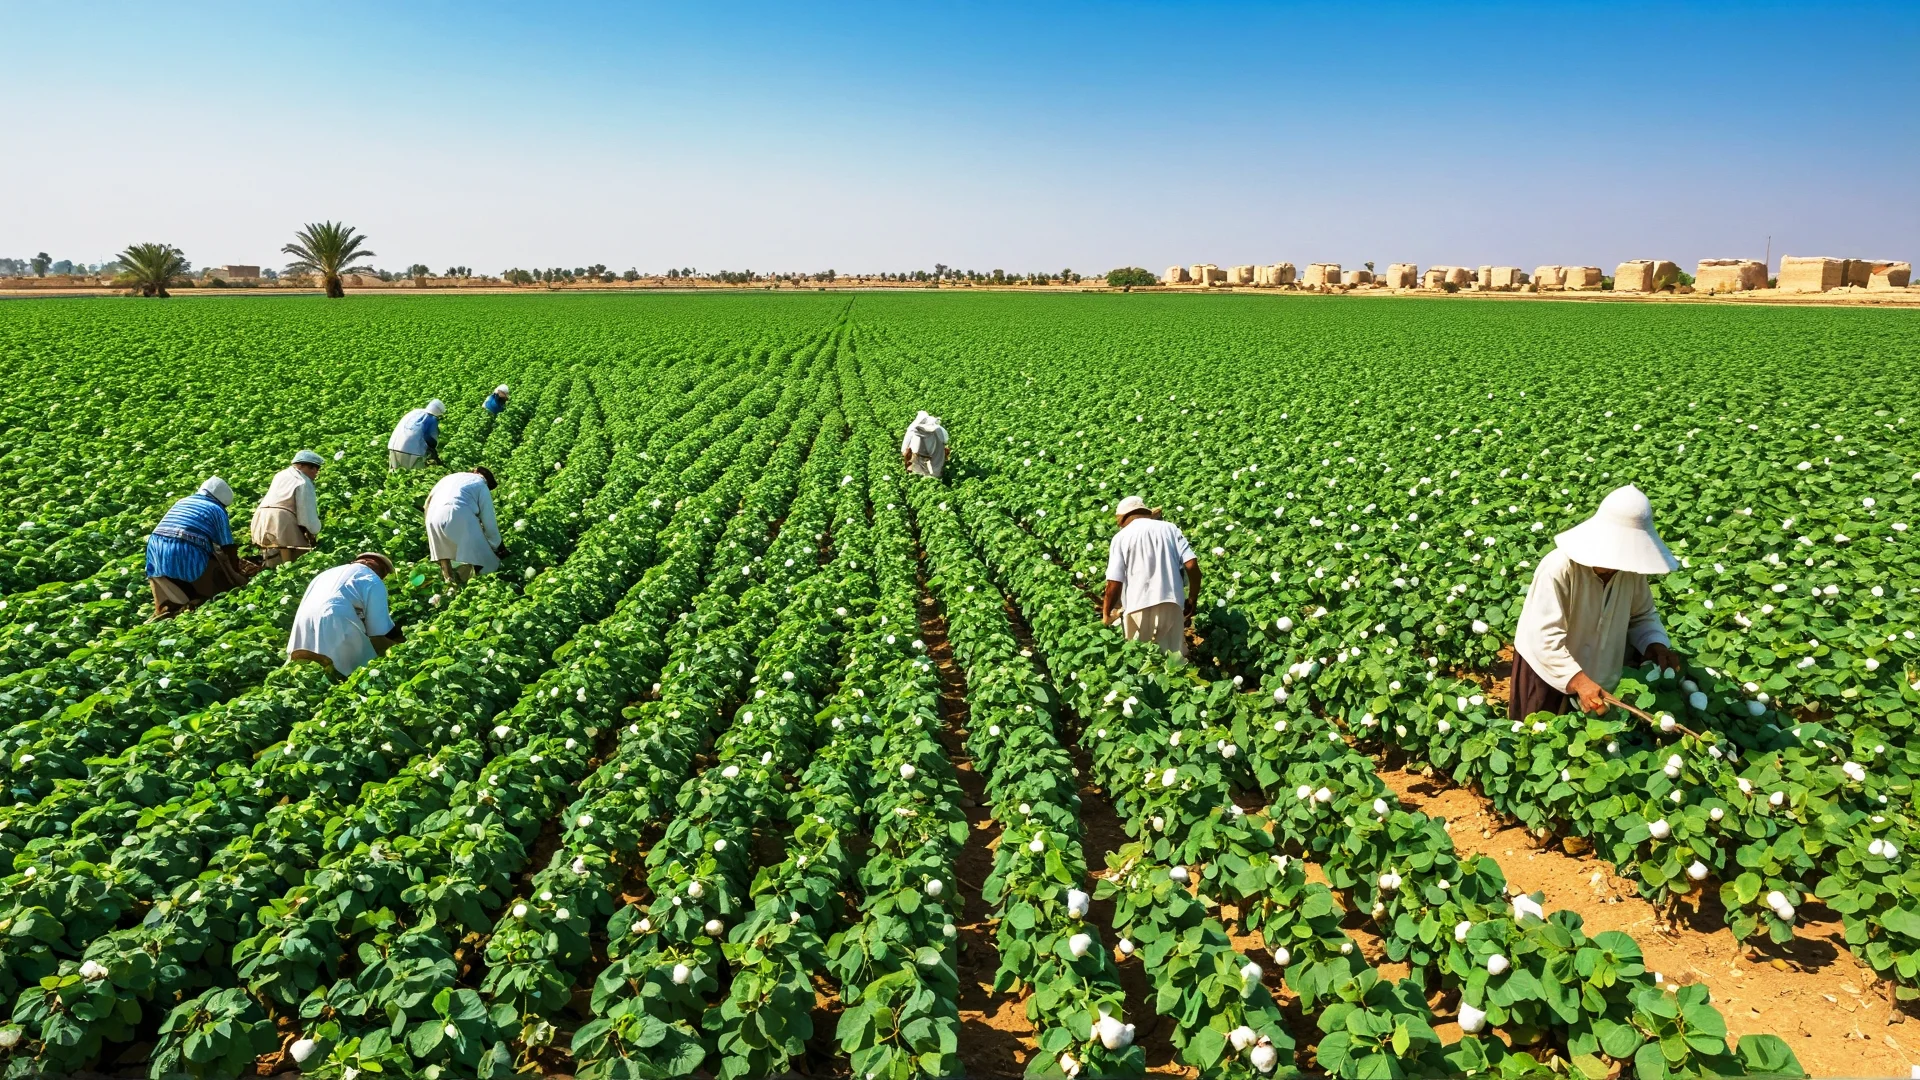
x,y
926,422
216,489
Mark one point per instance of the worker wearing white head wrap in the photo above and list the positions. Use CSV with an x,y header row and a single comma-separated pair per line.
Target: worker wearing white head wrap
x,y
496,402
191,556
1589,607
343,620
924,449
287,522
416,438
463,535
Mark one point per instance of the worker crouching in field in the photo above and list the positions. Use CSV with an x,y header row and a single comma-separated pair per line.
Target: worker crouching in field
x,y
1153,577
496,402
191,555
462,534
1589,611
924,449
287,522
343,620
416,438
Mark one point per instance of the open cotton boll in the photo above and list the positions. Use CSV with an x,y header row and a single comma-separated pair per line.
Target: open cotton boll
x,y
1125,946
301,1050
681,973
1716,813
1078,945
1037,845
1069,1067
1697,871
696,890
1303,792
1114,1035
1265,1057
1323,795
1283,624
1461,930
1169,778
1855,772
715,928
519,911
1778,798
1078,903
1380,807
730,772
1282,956
1179,874
1250,971
1497,964
93,970
1242,1037
934,886
1526,905
1659,829
1472,1020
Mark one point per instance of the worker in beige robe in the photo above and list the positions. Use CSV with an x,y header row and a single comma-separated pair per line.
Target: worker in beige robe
x,y
1590,610
924,449
287,522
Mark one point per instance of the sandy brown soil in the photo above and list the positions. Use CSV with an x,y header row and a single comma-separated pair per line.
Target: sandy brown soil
x,y
1812,992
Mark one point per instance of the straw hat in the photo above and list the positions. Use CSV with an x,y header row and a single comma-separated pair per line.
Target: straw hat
x,y
1132,504
1619,536
384,565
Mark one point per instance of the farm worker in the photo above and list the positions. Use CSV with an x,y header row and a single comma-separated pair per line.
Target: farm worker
x,y
496,402
287,521
1152,576
1589,610
342,620
416,438
462,534
924,450
191,556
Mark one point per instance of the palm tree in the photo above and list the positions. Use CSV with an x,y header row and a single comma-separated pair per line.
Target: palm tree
x,y
149,267
328,249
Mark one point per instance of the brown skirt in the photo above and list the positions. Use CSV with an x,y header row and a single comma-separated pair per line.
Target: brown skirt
x,y
1530,693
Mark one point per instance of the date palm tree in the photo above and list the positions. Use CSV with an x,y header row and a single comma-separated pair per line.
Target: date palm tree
x,y
328,250
150,267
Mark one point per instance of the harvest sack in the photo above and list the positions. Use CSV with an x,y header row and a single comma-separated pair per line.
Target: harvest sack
x,y
1163,624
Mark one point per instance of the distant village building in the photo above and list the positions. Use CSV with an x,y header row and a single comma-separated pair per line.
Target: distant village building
x,y
1402,276
1275,275
1240,275
1645,276
1584,278
1729,275
1506,278
1357,277
236,272
1177,275
1889,275
1811,273
1549,278
1320,275
1483,278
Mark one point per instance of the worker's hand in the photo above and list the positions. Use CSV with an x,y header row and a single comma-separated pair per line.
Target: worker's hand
x,y
1592,698
1658,653
1188,608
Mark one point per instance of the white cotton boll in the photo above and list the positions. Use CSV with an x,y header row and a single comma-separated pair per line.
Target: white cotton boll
x,y
1745,785
1784,913
1283,624
696,890
1125,946
1078,903
1069,1067
1280,696
1876,847
1078,945
1496,964
1697,871
519,911
1778,798
1282,956
715,928
501,731
1776,898
1855,772
1229,751
93,971
1323,795
1667,722
730,772
584,820
1179,874
1890,850
681,973
1114,1035
934,886
644,926
300,1051
1242,1037
1173,739
1169,778
1527,905
993,730
1303,792
1265,1057
1472,1020
1036,845
1251,972
1346,948
1380,807
1159,823
1461,930
1716,813
1444,726
1659,829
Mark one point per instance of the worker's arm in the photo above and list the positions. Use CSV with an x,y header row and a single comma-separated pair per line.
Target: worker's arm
x,y
1109,602
1645,633
1543,623
1193,586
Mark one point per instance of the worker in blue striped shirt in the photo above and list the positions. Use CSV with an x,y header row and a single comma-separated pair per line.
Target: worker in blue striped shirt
x,y
191,556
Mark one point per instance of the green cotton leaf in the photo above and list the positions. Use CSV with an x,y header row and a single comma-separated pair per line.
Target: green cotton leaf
x,y
1649,1063
1902,921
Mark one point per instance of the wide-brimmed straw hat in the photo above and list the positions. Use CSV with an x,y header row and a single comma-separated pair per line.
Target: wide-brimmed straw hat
x,y
1619,536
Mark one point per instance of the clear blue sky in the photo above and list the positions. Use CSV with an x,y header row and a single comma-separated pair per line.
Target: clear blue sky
x,y
1030,136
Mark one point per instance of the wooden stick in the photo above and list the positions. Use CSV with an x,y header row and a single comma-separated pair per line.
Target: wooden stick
x,y
1608,697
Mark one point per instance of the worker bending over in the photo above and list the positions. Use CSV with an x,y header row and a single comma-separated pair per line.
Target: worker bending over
x,y
416,438
462,534
343,620
191,555
1589,611
287,522
1153,577
496,402
924,449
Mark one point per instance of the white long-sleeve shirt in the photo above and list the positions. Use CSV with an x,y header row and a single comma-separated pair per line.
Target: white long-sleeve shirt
x,y
1148,558
293,492
1573,622
342,610
460,522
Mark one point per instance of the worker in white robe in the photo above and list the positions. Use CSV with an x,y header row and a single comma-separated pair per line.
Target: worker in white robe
x,y
342,620
416,438
924,449
462,534
1589,610
287,522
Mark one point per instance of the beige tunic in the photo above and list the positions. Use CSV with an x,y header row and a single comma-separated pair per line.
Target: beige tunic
x,y
1572,622
287,508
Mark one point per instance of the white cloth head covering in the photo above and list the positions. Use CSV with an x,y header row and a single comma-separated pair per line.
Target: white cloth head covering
x,y
1130,505
217,490
501,390
308,457
1619,536
437,407
926,421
